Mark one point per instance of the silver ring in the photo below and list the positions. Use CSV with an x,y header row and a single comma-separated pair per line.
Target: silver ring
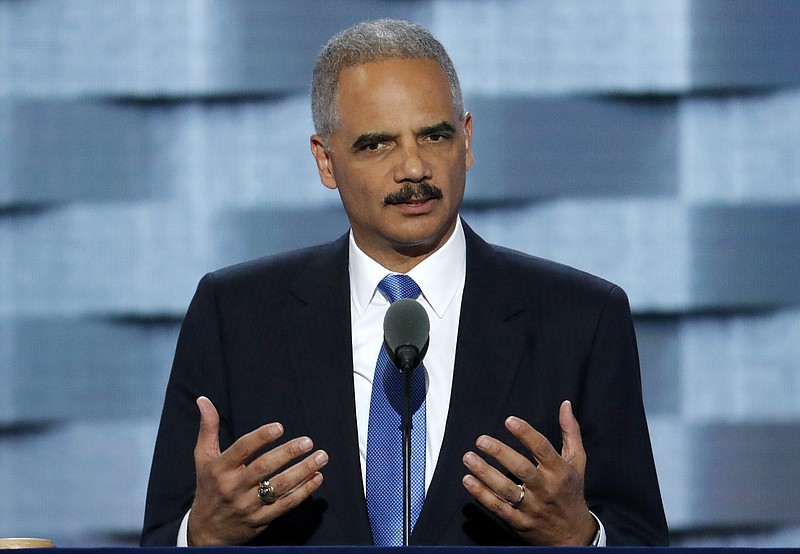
x,y
266,492
521,496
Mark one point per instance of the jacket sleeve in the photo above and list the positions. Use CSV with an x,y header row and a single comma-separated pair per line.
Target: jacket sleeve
x,y
198,369
620,485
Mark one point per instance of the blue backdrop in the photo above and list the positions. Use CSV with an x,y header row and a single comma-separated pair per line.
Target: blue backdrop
x,y
145,142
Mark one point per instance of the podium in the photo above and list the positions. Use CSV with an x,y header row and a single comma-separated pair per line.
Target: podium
x,y
421,550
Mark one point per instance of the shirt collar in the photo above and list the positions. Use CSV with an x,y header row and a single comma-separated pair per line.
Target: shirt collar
x,y
440,275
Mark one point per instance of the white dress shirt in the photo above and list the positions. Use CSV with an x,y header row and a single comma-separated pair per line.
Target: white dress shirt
x,y
441,279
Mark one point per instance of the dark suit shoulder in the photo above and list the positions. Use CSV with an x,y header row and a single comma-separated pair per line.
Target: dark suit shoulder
x,y
269,276
532,271
277,266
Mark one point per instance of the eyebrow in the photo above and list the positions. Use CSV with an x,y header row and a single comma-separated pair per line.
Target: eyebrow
x,y
443,128
370,138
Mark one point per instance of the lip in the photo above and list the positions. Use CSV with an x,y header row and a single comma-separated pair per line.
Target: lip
x,y
416,206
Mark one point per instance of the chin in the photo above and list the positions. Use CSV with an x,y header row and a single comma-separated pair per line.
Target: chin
x,y
417,244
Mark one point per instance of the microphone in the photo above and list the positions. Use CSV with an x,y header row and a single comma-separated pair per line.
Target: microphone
x,y
406,333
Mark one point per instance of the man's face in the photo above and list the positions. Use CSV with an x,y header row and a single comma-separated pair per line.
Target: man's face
x,y
399,158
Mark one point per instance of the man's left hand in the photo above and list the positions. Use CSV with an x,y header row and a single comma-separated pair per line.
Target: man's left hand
x,y
548,508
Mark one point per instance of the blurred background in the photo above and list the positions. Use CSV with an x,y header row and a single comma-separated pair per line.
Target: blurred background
x,y
146,142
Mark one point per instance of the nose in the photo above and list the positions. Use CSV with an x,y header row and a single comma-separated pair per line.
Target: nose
x,y
412,165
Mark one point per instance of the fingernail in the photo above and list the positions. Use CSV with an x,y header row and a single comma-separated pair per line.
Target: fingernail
x,y
317,479
275,430
469,458
483,442
305,443
321,458
512,423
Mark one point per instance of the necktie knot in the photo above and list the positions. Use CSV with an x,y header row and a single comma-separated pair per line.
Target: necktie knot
x,y
399,286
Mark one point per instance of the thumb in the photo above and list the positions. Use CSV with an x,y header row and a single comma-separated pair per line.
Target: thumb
x,y
207,447
572,449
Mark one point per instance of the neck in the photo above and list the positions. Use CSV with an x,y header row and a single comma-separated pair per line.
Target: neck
x,y
402,258
400,261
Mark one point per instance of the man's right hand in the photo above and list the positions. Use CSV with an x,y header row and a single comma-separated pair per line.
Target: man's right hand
x,y
227,509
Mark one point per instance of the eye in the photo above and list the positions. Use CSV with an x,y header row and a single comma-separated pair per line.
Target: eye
x,y
438,137
373,146
372,142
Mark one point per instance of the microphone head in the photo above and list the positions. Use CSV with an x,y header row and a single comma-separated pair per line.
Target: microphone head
x,y
406,332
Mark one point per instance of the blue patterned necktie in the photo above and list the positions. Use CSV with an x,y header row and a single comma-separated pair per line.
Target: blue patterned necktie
x,y
385,436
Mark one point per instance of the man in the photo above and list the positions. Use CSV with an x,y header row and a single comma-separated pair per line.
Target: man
x,y
278,355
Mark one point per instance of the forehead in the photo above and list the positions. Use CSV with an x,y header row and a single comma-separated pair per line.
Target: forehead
x,y
394,91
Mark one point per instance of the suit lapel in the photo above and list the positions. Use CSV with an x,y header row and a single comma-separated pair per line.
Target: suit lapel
x,y
491,341
320,352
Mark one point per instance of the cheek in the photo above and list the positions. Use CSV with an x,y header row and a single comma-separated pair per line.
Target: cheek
x,y
361,184
358,199
457,175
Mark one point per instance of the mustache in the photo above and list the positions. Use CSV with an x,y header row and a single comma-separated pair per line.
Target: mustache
x,y
411,192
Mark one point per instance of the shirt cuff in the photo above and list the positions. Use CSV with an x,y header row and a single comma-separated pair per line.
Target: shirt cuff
x,y
600,538
183,531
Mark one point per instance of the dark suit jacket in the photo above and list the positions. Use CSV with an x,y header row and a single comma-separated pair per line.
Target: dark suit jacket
x,y
270,340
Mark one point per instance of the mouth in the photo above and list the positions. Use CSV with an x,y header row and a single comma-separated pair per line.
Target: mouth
x,y
413,193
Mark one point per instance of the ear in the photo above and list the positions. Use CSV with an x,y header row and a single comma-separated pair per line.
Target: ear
x,y
324,162
468,138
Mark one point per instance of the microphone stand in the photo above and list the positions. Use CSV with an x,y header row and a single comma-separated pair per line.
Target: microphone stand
x,y
407,356
407,425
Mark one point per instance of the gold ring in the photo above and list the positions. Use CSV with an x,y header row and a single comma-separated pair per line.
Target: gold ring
x,y
521,496
266,492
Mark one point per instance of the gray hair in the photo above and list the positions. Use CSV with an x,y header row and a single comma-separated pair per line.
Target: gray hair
x,y
372,41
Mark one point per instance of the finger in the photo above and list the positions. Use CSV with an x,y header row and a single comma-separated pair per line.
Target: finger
x,y
490,501
572,450
207,447
291,499
491,478
538,445
269,463
242,451
297,476
509,458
